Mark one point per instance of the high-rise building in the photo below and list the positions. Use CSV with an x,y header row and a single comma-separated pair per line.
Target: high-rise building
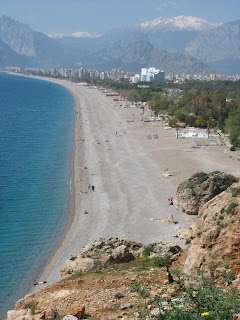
x,y
102,75
81,73
171,75
152,74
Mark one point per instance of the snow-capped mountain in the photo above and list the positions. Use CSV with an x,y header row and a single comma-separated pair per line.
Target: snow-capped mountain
x,y
73,35
180,23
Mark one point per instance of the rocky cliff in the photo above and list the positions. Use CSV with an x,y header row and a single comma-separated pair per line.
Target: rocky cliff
x,y
215,237
193,193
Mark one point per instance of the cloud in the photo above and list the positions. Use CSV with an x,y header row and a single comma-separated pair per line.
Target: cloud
x,y
165,4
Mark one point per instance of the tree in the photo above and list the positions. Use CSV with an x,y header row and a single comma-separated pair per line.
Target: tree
x,y
233,127
201,122
172,122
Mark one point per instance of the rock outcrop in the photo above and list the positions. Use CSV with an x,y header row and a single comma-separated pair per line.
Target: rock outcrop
x,y
104,252
215,236
193,193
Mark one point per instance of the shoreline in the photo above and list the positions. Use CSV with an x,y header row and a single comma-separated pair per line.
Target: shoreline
x,y
127,173
71,201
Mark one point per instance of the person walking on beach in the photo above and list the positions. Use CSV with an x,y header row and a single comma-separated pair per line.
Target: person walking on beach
x,y
93,188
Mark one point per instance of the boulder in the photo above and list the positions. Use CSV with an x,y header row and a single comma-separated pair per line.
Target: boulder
x,y
79,265
16,314
169,219
155,312
164,250
78,312
70,317
125,305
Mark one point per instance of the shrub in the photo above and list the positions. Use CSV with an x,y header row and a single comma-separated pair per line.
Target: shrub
x,y
233,148
161,262
222,210
235,192
148,250
98,269
118,295
201,177
173,250
232,208
141,290
32,306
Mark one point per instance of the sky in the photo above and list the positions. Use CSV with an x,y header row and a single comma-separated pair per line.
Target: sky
x,y
99,16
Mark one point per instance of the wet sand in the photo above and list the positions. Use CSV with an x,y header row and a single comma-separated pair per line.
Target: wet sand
x,y
126,170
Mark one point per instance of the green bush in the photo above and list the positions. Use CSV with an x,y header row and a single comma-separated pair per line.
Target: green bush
x,y
161,262
118,295
235,192
201,177
173,250
198,300
148,250
232,208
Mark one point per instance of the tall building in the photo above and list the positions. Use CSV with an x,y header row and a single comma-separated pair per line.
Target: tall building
x,y
81,73
171,75
152,74
136,78
54,71
102,75
213,77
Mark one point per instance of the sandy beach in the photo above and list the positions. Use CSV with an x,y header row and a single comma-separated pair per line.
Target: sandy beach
x,y
126,170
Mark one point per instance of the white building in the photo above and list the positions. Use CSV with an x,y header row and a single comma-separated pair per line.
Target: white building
x,y
136,78
152,74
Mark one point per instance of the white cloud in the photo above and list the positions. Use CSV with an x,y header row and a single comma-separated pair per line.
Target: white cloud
x,y
165,4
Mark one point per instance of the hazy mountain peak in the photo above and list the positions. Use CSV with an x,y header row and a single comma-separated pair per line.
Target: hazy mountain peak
x,y
78,34
18,36
181,23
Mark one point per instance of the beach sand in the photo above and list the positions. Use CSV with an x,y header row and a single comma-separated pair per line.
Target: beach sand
x,y
126,170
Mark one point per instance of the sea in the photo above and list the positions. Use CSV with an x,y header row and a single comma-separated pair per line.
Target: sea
x,y
36,142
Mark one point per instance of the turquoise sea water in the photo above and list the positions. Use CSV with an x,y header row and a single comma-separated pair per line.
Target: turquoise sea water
x,y
36,134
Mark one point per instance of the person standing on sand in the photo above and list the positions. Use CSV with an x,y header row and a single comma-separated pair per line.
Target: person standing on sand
x,y
93,188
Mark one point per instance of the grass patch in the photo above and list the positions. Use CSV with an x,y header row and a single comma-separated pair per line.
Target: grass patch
x,y
138,265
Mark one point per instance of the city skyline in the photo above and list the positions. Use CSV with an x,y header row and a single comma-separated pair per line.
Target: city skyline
x,y
69,16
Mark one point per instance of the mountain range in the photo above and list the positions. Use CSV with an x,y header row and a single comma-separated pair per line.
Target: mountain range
x,y
181,44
